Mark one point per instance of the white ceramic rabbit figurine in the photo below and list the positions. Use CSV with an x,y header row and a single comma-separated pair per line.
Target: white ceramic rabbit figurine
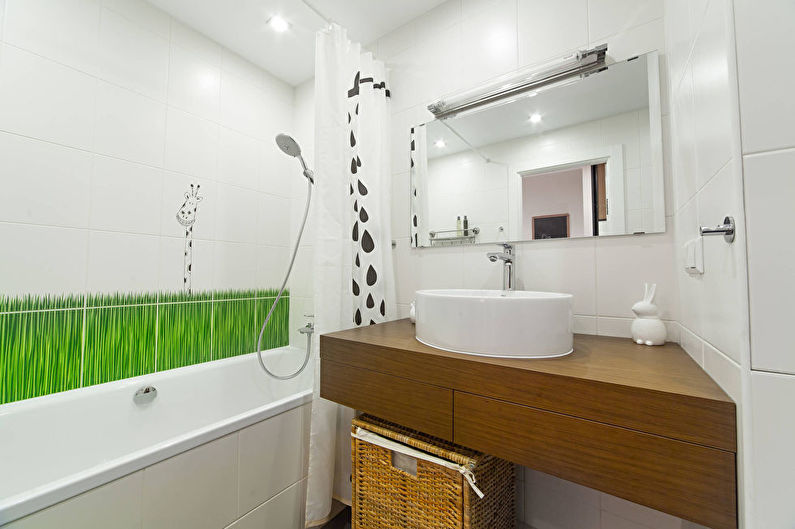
x,y
648,328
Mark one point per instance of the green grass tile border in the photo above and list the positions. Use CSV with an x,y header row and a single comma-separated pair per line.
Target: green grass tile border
x,y
46,302
183,335
43,349
39,353
119,343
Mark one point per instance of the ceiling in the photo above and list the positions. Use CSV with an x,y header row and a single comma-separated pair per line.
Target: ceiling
x,y
623,87
240,25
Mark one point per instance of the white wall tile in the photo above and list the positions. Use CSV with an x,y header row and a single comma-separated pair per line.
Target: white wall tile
x,y
712,95
125,196
272,212
769,191
63,30
273,456
724,323
618,327
132,56
129,125
30,104
235,265
607,17
194,83
285,511
624,264
557,504
723,371
120,262
43,183
34,268
195,489
191,145
236,214
693,345
272,264
239,159
242,106
548,30
771,443
190,39
238,66
144,14
560,266
766,103
116,504
638,514
489,42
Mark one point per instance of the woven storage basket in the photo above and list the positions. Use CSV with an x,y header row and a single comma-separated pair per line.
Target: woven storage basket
x,y
437,497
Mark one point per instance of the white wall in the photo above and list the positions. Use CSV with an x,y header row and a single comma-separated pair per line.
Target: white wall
x,y
109,109
767,110
707,176
455,46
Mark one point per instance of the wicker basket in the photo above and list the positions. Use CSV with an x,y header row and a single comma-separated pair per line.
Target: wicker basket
x,y
389,492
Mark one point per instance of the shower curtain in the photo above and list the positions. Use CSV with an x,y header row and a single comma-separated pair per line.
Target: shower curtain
x,y
354,278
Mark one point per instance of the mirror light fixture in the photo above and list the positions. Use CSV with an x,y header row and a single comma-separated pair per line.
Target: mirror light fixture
x,y
525,83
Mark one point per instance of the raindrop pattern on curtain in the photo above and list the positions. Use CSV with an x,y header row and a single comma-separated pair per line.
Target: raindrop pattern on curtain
x,y
369,304
414,199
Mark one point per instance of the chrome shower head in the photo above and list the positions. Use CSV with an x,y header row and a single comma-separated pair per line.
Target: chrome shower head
x,y
289,146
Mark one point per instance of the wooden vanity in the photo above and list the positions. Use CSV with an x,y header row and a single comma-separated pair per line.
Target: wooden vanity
x,y
642,423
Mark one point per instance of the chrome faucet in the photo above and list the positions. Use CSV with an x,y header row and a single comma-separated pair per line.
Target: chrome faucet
x,y
506,256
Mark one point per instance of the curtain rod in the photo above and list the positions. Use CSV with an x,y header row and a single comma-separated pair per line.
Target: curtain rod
x,y
581,64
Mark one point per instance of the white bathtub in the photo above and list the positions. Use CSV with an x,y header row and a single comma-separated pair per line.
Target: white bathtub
x,y
57,446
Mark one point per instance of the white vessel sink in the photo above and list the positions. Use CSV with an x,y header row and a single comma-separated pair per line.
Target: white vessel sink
x,y
513,324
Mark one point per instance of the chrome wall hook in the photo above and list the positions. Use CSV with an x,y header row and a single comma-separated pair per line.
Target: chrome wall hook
x,y
727,229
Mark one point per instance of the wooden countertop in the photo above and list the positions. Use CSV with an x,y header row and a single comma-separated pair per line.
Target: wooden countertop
x,y
612,380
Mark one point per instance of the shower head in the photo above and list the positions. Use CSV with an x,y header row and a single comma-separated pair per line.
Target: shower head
x,y
289,146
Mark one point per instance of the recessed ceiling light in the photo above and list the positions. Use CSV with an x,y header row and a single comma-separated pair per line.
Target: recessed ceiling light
x,y
440,144
531,93
535,117
278,24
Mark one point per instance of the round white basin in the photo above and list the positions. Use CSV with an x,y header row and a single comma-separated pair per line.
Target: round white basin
x,y
513,324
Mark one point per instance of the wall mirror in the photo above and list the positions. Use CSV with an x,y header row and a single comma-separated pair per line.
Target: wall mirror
x,y
579,156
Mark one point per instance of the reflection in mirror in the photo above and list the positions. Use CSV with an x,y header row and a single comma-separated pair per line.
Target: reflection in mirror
x,y
580,158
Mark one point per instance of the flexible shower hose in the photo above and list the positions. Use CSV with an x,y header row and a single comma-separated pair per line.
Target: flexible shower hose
x,y
279,296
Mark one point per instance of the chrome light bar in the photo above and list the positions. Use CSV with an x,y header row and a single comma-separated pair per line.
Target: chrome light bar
x,y
580,64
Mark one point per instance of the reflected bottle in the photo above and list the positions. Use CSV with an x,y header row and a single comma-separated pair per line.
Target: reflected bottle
x,y
458,229
466,226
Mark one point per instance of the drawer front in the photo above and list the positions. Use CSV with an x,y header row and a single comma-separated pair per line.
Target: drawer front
x,y
422,407
691,481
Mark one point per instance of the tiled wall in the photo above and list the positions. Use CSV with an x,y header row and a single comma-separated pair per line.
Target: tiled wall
x,y
707,176
109,111
459,44
232,482
767,110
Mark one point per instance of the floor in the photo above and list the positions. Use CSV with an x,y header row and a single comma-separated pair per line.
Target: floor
x,y
341,521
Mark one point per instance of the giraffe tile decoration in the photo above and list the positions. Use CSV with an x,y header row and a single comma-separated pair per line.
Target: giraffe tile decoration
x,y
186,216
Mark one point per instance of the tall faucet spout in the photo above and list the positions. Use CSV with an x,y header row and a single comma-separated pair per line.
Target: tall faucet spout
x,y
506,256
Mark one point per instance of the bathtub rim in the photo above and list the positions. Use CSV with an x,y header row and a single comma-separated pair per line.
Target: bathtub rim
x,y
18,506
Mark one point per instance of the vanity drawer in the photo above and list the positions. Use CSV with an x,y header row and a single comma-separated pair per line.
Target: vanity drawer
x,y
688,480
422,407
